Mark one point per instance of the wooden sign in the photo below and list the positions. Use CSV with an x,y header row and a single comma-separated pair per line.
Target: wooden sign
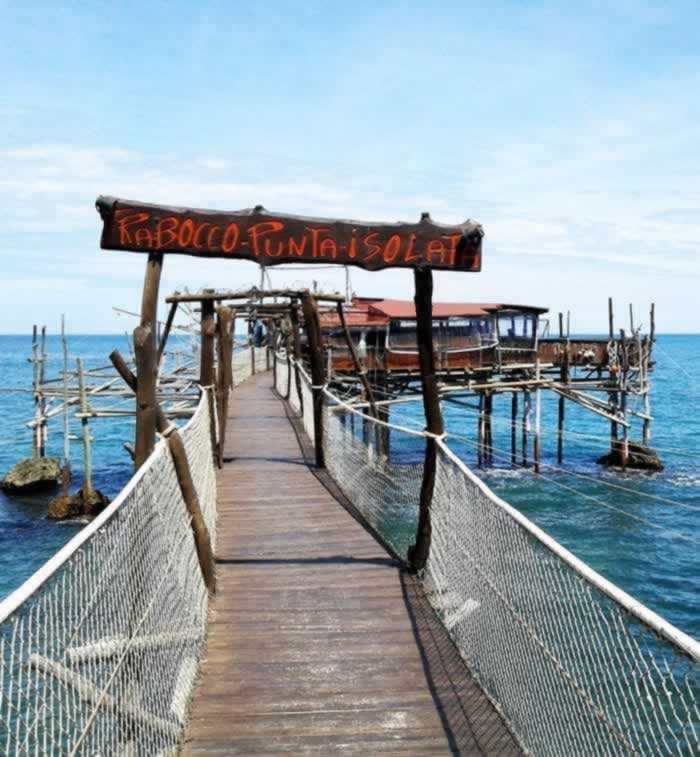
x,y
274,238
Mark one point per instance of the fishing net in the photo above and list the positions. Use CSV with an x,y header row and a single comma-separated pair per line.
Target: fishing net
x,y
99,650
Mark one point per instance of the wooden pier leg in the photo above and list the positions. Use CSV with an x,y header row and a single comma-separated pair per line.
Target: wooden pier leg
x,y
538,417
563,378
624,451
514,428
418,553
646,425
87,450
43,426
613,395
35,387
489,428
480,445
146,362
526,424
313,332
65,470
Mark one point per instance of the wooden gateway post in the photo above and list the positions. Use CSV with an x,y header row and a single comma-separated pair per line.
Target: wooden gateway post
x,y
274,238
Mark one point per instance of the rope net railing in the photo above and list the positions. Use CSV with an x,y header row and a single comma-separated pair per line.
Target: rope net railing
x,y
99,650
574,664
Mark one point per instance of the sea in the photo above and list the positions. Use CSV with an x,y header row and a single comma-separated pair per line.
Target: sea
x,y
639,530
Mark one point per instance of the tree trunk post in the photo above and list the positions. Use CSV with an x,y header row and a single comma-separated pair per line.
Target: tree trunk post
x,y
418,553
294,317
146,362
318,377
208,329
224,333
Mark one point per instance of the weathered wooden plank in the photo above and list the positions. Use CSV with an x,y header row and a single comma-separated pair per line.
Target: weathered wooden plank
x,y
274,238
318,642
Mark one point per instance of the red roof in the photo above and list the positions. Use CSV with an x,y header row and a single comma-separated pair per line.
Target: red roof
x,y
407,309
377,312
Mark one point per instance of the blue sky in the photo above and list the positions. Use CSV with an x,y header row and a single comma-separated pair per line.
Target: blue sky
x,y
571,133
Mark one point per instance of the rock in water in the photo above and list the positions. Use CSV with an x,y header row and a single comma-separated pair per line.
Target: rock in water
x,y
639,457
32,475
77,505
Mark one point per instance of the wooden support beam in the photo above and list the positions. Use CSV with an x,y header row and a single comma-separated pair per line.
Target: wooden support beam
x,y
166,330
362,374
224,379
423,277
296,336
146,362
208,329
318,376
65,470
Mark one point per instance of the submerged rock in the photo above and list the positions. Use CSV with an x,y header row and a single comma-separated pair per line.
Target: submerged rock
x,y
639,457
77,505
32,475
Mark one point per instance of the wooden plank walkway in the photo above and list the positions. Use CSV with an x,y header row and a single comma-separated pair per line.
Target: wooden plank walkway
x,y
318,642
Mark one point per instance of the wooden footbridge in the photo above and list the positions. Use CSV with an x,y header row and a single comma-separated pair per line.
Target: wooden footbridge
x,y
278,578
319,641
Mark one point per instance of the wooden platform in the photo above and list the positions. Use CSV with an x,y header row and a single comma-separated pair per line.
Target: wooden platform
x,y
318,642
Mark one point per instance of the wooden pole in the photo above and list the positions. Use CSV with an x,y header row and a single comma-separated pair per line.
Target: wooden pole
x,y
538,417
613,394
166,330
623,398
43,429
357,365
526,424
146,362
563,378
514,428
418,553
208,330
65,470
294,317
480,431
225,319
181,464
87,451
313,332
646,425
35,387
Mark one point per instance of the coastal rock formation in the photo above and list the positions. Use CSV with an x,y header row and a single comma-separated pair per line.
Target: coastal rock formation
x,y
77,505
32,475
639,458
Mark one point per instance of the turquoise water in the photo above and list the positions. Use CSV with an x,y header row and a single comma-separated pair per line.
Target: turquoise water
x,y
648,546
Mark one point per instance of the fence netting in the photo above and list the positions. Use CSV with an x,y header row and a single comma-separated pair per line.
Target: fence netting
x,y
575,665
100,649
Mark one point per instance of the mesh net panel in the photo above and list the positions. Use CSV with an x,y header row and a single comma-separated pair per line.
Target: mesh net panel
x,y
572,670
196,437
281,375
99,651
385,493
